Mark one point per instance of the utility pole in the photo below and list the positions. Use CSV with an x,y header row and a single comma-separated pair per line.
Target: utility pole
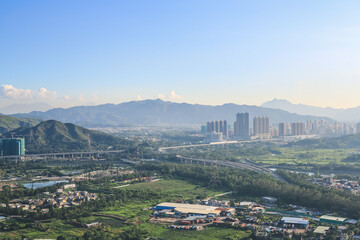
x,y
89,141
31,136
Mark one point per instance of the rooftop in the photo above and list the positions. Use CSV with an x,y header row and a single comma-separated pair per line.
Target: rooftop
x,y
190,208
321,229
192,218
332,218
197,211
292,220
184,205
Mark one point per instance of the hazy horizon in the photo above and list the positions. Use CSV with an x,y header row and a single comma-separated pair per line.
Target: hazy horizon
x,y
165,100
90,52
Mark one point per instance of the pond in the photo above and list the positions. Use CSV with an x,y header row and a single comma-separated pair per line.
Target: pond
x,y
42,184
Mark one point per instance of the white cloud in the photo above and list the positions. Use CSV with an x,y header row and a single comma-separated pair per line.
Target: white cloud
x,y
67,97
44,93
9,91
173,95
138,98
161,96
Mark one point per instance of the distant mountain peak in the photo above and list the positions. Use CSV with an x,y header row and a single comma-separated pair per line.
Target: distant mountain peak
x,y
275,100
159,112
25,108
339,114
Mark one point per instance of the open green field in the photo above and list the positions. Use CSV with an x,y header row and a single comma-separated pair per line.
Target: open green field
x,y
180,188
173,189
133,214
209,233
50,229
304,156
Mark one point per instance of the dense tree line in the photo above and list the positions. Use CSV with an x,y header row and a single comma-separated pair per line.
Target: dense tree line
x,y
255,184
347,141
324,198
352,158
230,152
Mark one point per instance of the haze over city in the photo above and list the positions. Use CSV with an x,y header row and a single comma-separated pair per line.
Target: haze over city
x,y
188,119
208,52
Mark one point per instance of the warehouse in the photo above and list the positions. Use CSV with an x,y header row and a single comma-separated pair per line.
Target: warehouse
x,y
291,222
321,230
332,219
189,209
245,205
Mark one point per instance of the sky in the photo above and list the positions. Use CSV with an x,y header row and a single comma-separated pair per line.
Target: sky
x,y
68,53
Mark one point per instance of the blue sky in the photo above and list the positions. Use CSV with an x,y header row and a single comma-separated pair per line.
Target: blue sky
x,y
70,53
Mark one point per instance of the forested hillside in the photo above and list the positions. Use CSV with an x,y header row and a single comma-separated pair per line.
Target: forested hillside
x,y
54,136
8,123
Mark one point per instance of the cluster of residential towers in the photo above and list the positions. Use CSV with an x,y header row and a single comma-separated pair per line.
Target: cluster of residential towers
x,y
241,129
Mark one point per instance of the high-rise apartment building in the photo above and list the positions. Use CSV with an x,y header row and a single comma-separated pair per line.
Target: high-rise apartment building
x,y
210,127
225,129
297,128
282,130
358,128
261,126
218,127
242,125
13,146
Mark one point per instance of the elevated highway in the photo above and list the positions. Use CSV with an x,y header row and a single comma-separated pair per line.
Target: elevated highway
x,y
239,165
63,155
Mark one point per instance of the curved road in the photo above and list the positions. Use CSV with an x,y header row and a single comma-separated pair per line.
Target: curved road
x,y
233,165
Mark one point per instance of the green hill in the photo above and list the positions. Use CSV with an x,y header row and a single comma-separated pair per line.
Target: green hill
x,y
54,136
8,123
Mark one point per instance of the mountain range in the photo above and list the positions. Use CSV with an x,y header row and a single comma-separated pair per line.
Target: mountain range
x,y
338,114
25,108
54,136
8,123
158,112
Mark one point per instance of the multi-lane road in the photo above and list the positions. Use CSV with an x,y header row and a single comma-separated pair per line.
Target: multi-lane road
x,y
232,165
61,155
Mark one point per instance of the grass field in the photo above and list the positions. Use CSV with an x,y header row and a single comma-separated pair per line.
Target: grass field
x,y
48,230
304,156
134,213
176,189
180,188
209,233
173,189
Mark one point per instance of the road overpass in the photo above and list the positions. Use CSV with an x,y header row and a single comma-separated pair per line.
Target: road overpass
x,y
239,165
63,155
163,149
